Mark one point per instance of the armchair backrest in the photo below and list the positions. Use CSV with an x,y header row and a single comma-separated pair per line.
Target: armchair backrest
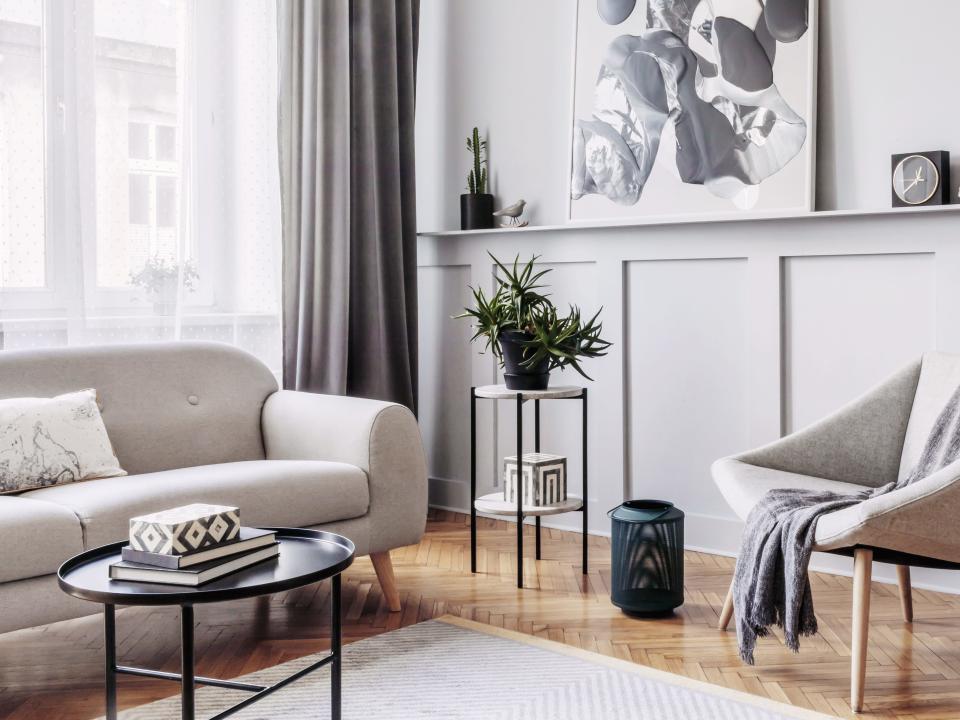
x,y
939,378
166,405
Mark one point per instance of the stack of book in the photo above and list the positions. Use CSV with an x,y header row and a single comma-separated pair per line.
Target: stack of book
x,y
191,545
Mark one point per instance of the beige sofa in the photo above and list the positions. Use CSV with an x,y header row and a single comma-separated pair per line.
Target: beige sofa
x,y
205,422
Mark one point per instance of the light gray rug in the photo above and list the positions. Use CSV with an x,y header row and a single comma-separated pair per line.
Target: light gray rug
x,y
457,670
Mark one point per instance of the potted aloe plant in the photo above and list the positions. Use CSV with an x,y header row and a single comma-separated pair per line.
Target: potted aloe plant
x,y
523,329
476,205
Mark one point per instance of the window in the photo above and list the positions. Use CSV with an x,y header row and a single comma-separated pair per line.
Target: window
x,y
139,192
22,233
152,175
138,71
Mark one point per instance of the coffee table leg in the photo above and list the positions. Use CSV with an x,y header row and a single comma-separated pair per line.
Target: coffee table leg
x,y
110,660
186,663
335,649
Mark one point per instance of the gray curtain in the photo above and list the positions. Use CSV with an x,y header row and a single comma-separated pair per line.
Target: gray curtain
x,y
347,74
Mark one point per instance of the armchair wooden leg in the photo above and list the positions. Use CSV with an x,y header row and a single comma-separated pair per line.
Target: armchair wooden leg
x,y
906,594
388,582
862,572
727,611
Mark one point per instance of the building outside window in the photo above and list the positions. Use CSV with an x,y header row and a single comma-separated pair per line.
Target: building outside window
x,y
121,150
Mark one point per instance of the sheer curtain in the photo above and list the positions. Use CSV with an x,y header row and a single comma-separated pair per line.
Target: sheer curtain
x,y
139,186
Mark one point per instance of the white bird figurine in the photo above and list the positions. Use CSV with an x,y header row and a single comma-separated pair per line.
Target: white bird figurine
x,y
511,214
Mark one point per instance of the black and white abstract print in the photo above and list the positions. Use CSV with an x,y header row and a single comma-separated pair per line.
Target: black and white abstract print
x,y
705,71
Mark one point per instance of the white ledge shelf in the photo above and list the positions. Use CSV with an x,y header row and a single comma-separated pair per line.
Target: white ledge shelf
x,y
706,218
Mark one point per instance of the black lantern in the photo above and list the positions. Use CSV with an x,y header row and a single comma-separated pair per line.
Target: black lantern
x,y
647,563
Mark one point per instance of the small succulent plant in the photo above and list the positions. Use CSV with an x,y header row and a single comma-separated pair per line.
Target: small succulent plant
x,y
518,305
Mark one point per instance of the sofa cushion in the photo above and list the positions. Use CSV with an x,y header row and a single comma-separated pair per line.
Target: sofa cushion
x,y
295,493
36,537
53,441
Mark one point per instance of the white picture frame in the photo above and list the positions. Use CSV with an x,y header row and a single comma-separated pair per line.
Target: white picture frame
x,y
796,194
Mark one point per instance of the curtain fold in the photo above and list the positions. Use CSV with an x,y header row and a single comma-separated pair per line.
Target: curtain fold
x,y
347,81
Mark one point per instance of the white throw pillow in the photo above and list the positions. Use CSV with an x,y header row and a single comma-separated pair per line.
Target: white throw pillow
x,y
52,441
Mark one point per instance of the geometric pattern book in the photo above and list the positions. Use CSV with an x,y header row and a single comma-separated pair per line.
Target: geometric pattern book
x,y
183,530
685,107
544,479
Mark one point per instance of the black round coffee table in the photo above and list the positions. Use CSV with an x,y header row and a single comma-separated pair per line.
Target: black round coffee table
x,y
306,556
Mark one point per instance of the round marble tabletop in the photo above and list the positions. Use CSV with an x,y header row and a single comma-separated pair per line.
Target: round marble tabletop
x,y
496,505
500,392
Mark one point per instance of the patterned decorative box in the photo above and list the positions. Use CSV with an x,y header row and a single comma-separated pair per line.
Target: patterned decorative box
x,y
184,530
544,479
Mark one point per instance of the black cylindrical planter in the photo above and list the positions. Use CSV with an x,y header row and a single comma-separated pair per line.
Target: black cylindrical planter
x,y
515,375
476,211
647,567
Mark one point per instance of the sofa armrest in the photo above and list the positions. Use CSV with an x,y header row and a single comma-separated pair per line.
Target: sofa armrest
x,y
860,443
380,438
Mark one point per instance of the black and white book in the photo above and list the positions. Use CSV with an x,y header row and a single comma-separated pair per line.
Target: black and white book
x,y
248,539
194,575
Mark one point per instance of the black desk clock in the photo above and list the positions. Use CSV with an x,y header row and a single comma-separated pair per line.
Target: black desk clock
x,y
920,178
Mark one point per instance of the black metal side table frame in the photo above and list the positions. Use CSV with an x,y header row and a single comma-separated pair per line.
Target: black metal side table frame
x,y
188,679
583,509
306,556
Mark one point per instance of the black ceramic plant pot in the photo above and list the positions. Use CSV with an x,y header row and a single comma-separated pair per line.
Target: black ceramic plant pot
x,y
517,376
476,211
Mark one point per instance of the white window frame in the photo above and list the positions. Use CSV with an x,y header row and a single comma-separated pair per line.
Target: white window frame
x,y
70,242
41,298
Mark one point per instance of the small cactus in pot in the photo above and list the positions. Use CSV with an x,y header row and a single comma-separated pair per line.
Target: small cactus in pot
x,y
476,205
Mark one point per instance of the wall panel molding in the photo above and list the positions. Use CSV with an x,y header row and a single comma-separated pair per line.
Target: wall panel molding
x,y
875,311
828,306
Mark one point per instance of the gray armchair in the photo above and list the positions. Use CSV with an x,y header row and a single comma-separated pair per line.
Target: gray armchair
x,y
874,440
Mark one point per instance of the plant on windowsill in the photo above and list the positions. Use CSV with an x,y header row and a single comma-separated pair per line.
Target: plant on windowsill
x,y
525,332
159,278
476,205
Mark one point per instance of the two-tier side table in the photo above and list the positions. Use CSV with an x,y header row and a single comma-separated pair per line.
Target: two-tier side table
x,y
495,503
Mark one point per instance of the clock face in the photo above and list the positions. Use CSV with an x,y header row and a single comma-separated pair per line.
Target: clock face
x,y
915,179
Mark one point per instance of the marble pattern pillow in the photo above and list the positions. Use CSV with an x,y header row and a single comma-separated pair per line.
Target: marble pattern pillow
x,y
52,441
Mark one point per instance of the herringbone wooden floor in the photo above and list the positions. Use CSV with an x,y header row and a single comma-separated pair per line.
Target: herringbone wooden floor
x,y
54,672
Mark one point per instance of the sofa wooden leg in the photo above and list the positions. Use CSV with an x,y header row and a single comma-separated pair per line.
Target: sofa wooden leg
x,y
862,571
727,611
906,594
388,582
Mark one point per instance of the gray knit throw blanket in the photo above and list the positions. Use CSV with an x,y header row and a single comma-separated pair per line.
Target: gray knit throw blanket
x,y
770,585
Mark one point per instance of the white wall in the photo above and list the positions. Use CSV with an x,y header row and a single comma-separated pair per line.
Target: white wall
x,y
505,66
726,334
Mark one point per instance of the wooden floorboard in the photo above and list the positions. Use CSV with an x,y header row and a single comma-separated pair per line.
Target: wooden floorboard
x,y
54,672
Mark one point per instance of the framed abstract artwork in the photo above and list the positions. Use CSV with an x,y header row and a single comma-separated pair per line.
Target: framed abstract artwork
x,y
685,108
